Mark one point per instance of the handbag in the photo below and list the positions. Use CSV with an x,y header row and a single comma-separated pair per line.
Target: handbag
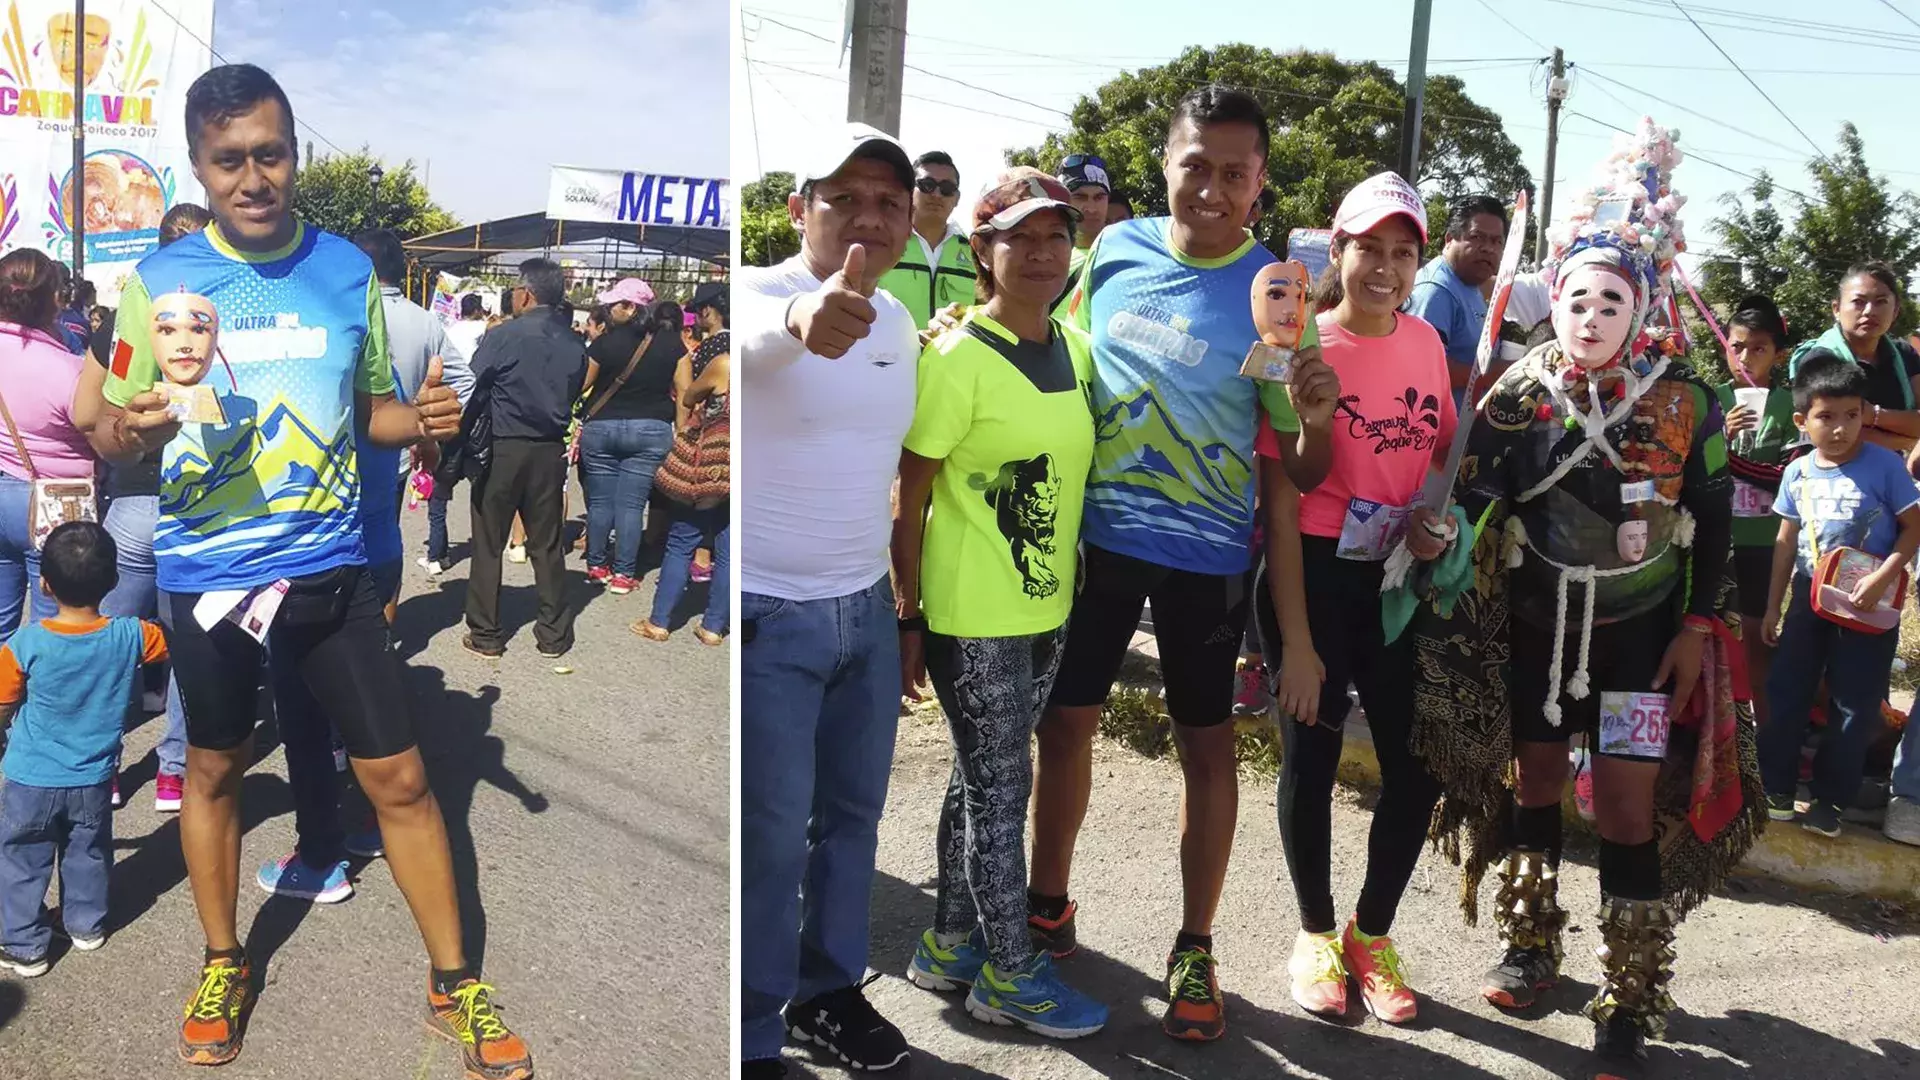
x,y
54,502
1834,577
698,471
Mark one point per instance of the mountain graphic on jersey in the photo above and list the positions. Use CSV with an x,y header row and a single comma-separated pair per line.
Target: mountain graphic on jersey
x,y
309,476
1025,496
1137,447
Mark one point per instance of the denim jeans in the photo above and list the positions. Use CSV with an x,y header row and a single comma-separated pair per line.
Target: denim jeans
x,y
19,562
437,519
1906,764
619,458
39,826
690,528
819,705
1856,667
130,521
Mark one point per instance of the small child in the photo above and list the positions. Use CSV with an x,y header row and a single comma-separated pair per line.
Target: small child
x,y
65,684
1846,493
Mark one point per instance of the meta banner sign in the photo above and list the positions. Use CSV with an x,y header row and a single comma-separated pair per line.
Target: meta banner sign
x,y
639,198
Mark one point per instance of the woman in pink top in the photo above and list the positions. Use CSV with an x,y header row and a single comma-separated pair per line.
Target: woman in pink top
x,y
1321,595
38,380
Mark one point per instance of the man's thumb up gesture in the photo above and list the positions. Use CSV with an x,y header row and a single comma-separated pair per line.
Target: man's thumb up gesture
x,y
438,406
831,318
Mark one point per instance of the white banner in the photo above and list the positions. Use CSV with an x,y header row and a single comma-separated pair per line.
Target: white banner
x,y
137,63
638,198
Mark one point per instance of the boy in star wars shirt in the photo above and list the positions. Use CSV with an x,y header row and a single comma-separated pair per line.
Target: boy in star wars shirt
x,y
1596,477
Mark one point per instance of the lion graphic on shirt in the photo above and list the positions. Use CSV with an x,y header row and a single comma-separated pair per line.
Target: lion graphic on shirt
x,y
1025,496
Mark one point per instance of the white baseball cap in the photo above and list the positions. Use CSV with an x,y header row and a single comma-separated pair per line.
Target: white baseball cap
x,y
1376,199
837,146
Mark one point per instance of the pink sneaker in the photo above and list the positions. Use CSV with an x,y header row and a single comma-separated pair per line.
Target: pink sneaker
x,y
702,573
115,791
621,585
599,575
1250,692
1319,974
167,790
1383,985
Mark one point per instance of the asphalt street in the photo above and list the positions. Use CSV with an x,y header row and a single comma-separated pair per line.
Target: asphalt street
x,y
588,813
1771,983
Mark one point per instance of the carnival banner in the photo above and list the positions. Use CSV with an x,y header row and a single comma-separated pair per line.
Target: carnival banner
x,y
135,62
638,198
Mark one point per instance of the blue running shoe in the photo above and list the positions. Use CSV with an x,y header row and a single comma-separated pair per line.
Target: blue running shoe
x,y
366,844
1034,998
934,968
290,877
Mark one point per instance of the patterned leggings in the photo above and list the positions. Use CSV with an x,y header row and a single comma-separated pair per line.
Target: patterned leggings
x,y
993,690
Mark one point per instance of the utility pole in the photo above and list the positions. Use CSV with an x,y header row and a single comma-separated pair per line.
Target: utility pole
x,y
1556,93
77,219
878,32
1416,93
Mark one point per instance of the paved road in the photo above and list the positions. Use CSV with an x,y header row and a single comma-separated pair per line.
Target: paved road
x,y
589,817
1771,984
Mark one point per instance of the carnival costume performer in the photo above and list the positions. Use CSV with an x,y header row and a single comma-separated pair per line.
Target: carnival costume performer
x,y
1594,492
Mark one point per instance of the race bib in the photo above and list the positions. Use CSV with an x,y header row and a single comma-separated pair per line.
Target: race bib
x,y
1750,501
1371,529
1634,724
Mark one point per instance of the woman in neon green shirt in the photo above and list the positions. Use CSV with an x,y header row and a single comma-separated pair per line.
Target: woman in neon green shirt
x,y
1001,443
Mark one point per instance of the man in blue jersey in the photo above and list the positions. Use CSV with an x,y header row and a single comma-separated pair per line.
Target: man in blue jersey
x,y
259,540
1169,513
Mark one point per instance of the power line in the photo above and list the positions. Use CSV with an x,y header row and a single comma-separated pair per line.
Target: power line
x,y
1750,80
1693,155
187,30
1888,4
1691,112
915,97
1495,12
1895,42
753,111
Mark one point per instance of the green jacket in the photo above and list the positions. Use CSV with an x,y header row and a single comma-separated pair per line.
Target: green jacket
x,y
925,288
1906,364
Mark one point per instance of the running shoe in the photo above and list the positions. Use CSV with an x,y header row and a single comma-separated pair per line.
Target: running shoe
x,y
1195,1009
485,652
1520,976
1319,974
1054,936
87,942
599,575
1903,821
216,1017
1251,697
23,967
114,793
935,968
366,844
168,789
702,574
516,553
488,1049
1780,808
848,1027
433,567
1620,1039
1383,981
621,584
291,877
1822,817
1033,997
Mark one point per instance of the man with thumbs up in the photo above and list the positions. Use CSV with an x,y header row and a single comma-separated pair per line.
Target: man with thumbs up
x,y
829,364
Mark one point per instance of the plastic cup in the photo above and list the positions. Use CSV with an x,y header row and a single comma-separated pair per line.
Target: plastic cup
x,y
1754,398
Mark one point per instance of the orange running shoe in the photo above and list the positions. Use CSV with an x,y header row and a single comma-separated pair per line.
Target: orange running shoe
x,y
467,1016
1196,1010
216,1017
1383,984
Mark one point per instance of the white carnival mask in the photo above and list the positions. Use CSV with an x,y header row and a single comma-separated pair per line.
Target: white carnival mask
x,y
1593,312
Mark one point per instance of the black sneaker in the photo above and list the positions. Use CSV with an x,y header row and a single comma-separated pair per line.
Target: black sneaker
x,y
1780,808
1620,1040
21,966
845,1024
1823,818
1053,935
1519,977
763,1069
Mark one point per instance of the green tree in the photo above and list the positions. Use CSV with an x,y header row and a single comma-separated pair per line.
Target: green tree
x,y
1853,216
337,194
1334,123
767,235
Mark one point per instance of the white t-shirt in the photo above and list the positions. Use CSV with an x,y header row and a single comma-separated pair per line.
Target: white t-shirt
x,y
819,441
466,333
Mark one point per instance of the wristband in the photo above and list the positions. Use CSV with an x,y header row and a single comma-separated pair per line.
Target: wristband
x,y
918,622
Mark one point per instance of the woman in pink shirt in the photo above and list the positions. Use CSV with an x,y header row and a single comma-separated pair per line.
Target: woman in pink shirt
x,y
1321,595
38,380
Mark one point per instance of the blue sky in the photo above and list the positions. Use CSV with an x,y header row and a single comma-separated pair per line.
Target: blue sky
x,y
1630,49
493,93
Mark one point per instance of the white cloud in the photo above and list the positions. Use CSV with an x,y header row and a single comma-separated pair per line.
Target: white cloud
x,y
495,97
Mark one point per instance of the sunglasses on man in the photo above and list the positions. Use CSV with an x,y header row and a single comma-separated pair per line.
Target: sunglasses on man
x,y
1075,161
929,185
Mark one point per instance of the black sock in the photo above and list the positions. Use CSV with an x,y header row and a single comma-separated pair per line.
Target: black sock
x,y
1047,907
237,955
1630,871
445,981
1538,828
1184,941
